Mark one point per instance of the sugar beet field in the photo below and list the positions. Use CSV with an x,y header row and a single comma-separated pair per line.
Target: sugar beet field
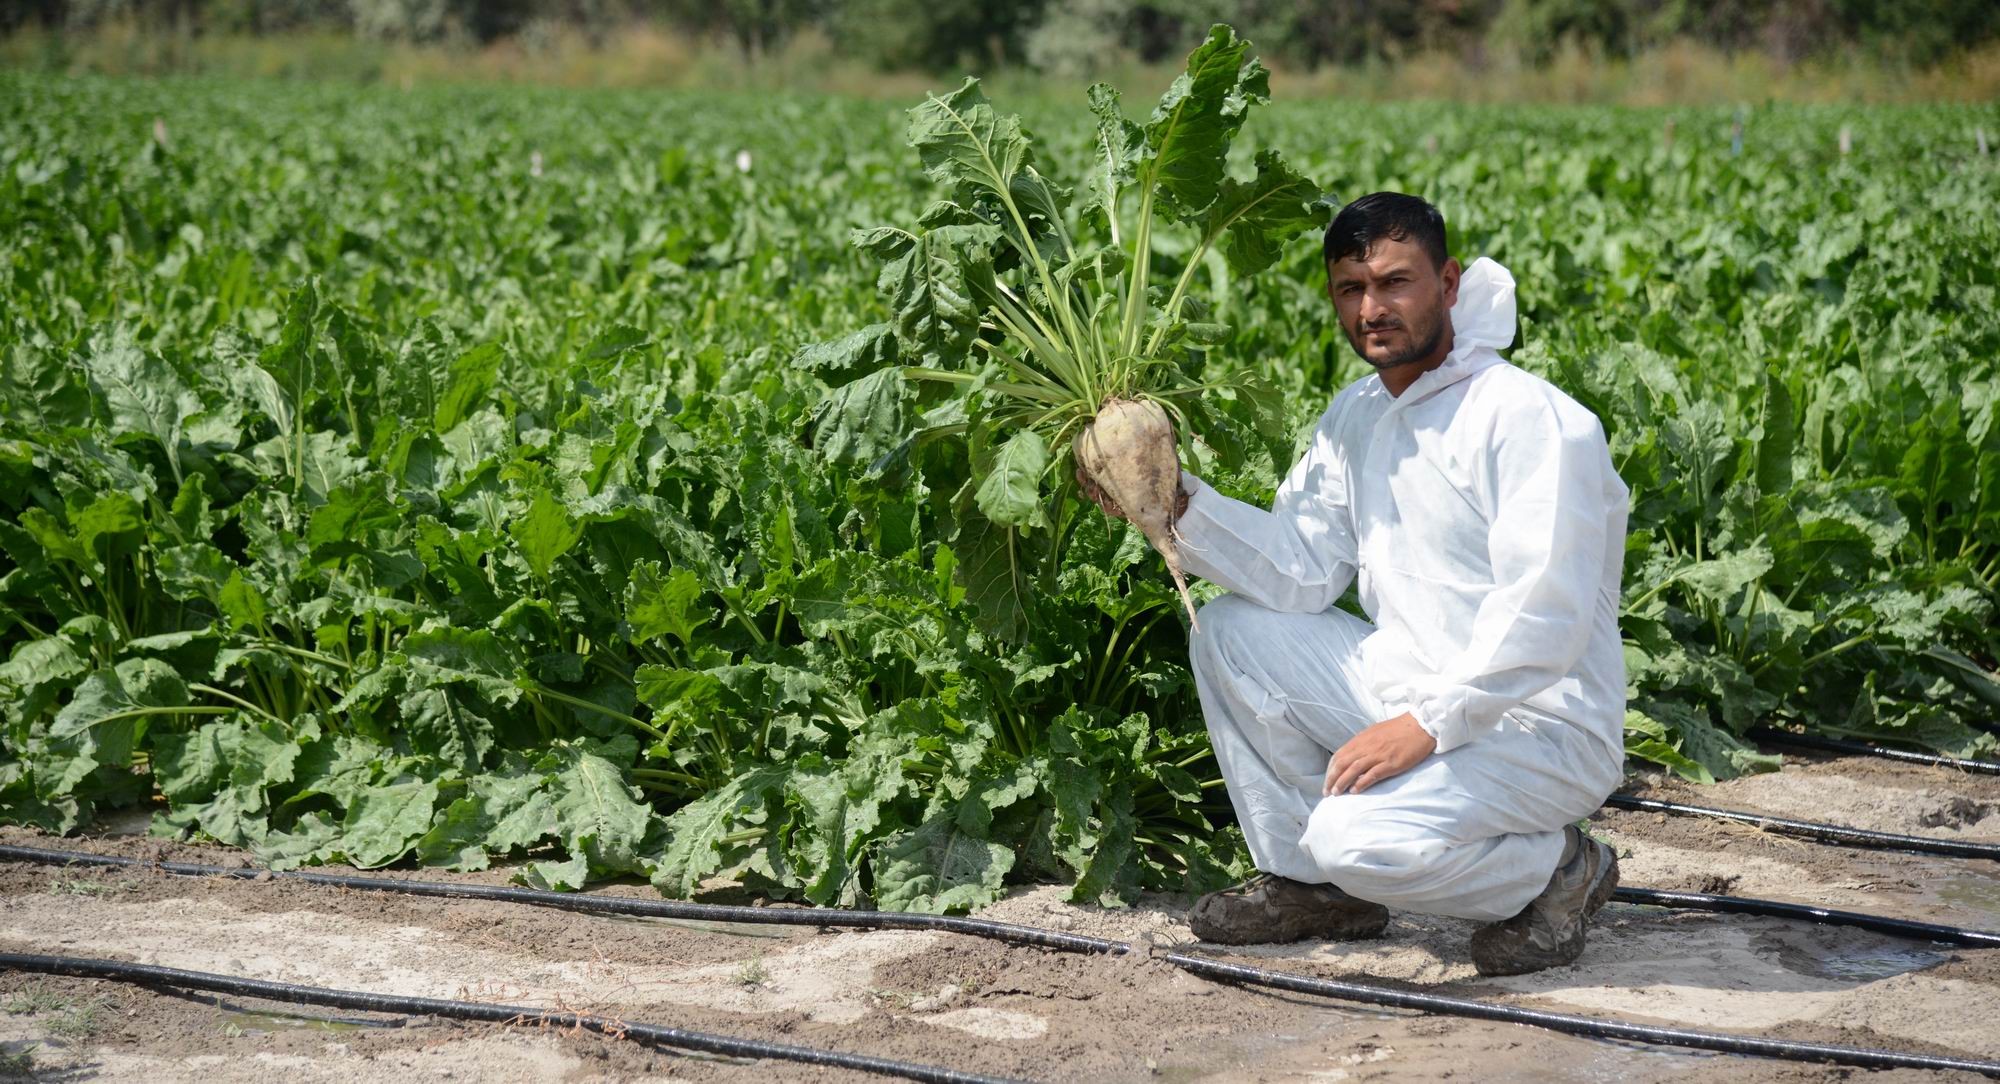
x,y
581,490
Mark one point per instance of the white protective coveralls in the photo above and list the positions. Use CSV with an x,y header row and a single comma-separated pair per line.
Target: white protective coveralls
x,y
1481,520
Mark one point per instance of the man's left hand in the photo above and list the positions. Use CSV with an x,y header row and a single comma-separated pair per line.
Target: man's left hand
x,y
1382,751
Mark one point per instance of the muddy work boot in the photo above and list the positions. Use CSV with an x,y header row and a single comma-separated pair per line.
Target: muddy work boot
x,y
1269,908
1549,931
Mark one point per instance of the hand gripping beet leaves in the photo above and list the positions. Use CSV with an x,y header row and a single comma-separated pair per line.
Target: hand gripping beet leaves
x,y
1042,309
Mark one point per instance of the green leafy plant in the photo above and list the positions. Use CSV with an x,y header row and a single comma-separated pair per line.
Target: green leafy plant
x,y
468,514
1040,300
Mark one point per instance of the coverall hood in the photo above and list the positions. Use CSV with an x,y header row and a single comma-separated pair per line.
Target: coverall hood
x,y
1483,321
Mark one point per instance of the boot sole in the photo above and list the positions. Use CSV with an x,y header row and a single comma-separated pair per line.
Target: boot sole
x,y
1607,882
1359,927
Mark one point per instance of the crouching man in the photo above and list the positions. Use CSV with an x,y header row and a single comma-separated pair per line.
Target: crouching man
x,y
1435,756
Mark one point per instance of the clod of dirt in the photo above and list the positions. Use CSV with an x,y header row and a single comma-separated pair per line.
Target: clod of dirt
x,y
1956,811
1715,884
946,994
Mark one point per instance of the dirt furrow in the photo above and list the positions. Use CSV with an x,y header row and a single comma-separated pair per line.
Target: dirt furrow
x,y
978,1005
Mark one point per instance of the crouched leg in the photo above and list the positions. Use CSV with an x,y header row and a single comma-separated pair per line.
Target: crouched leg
x,y
1278,694
1419,842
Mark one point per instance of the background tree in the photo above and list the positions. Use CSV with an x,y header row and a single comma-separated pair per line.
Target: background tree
x,y
1082,36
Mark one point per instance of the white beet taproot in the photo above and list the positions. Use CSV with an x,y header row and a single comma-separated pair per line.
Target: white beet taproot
x,y
1130,452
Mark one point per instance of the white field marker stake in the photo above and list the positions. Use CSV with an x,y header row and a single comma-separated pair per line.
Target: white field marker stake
x,y
1980,133
1846,140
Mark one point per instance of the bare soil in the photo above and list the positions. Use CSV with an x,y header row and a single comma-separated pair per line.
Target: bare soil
x,y
981,1006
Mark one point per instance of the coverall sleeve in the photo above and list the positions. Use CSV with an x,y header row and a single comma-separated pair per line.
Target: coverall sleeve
x,y
1296,558
1546,544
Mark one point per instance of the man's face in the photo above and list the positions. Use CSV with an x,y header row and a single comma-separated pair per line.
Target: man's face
x,y
1394,304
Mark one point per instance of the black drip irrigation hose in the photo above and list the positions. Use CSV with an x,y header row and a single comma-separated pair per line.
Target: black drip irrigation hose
x,y
1869,749
356,1000
1738,905
836,918
1586,1026
1818,833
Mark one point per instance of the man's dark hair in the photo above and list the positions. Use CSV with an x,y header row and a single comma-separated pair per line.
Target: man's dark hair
x,y
1384,214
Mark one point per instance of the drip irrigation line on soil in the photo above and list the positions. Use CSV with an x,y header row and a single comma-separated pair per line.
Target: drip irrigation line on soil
x,y
1568,1023
515,1015
151,975
832,918
1817,833
1586,1026
1869,749
1737,905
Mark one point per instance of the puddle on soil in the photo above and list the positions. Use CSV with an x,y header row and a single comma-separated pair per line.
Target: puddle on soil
x,y
1854,956
1612,1060
1860,964
1981,894
250,1020
733,929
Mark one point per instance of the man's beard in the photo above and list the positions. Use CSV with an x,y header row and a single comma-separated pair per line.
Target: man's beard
x,y
1418,349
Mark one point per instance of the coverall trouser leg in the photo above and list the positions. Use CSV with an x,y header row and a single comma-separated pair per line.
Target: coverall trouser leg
x,y
1471,833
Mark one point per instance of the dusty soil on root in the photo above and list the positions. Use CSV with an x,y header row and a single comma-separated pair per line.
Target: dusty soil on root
x,y
978,1005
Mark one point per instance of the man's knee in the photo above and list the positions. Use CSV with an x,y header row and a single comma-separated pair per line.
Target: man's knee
x,y
1221,627
1225,616
1366,849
